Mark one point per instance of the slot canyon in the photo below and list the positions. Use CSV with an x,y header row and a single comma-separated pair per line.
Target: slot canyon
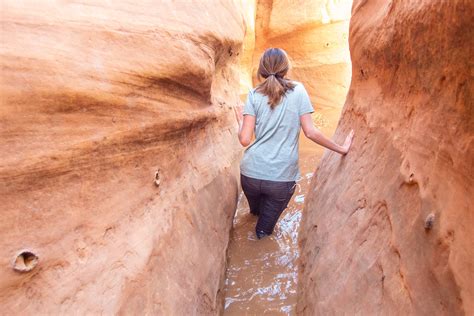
x,y
120,159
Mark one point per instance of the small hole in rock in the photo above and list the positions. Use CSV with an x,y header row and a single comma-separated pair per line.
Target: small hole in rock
x,y
429,221
157,180
25,261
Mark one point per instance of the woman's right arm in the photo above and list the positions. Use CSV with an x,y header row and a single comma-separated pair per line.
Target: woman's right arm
x,y
316,136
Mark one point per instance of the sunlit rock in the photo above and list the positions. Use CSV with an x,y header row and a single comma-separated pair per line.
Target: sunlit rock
x,y
314,33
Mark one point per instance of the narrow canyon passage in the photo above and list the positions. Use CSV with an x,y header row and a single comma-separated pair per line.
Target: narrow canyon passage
x,y
261,276
119,169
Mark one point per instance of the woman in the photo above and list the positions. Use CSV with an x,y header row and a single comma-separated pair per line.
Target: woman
x,y
275,110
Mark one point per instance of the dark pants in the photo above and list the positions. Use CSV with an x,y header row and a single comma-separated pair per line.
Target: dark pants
x,y
267,199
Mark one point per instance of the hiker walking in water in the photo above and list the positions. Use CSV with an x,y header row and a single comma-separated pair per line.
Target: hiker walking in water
x,y
275,111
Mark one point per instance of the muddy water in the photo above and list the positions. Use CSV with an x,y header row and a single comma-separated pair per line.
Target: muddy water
x,y
262,274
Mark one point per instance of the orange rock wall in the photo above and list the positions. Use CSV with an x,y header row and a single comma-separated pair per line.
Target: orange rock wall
x,y
314,34
248,48
95,98
365,249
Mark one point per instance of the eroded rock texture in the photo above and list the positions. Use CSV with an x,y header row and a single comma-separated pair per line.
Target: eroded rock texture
x,y
96,97
314,34
365,249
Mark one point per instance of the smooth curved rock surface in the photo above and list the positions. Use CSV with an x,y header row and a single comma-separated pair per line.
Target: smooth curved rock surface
x,y
96,97
248,48
365,248
314,34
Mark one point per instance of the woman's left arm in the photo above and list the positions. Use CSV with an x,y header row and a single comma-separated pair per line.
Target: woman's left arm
x,y
246,126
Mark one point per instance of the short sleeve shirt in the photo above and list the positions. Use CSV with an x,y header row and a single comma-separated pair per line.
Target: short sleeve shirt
x,y
274,153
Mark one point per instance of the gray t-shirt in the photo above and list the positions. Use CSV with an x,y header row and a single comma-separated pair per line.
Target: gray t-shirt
x,y
274,153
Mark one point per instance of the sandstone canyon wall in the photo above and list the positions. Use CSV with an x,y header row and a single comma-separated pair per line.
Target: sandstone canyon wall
x,y
118,155
370,243
248,48
314,34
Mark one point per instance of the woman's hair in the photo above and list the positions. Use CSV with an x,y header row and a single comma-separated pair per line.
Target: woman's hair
x,y
273,67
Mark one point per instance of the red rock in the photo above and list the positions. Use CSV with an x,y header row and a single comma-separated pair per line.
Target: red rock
x,y
96,97
314,34
365,249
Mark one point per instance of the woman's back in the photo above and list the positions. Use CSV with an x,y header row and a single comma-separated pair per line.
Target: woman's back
x,y
274,153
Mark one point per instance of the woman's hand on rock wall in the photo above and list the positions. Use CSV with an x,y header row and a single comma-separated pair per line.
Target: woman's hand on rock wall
x,y
348,142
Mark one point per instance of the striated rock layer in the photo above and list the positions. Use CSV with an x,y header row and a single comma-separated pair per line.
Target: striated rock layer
x,y
97,97
365,248
314,34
